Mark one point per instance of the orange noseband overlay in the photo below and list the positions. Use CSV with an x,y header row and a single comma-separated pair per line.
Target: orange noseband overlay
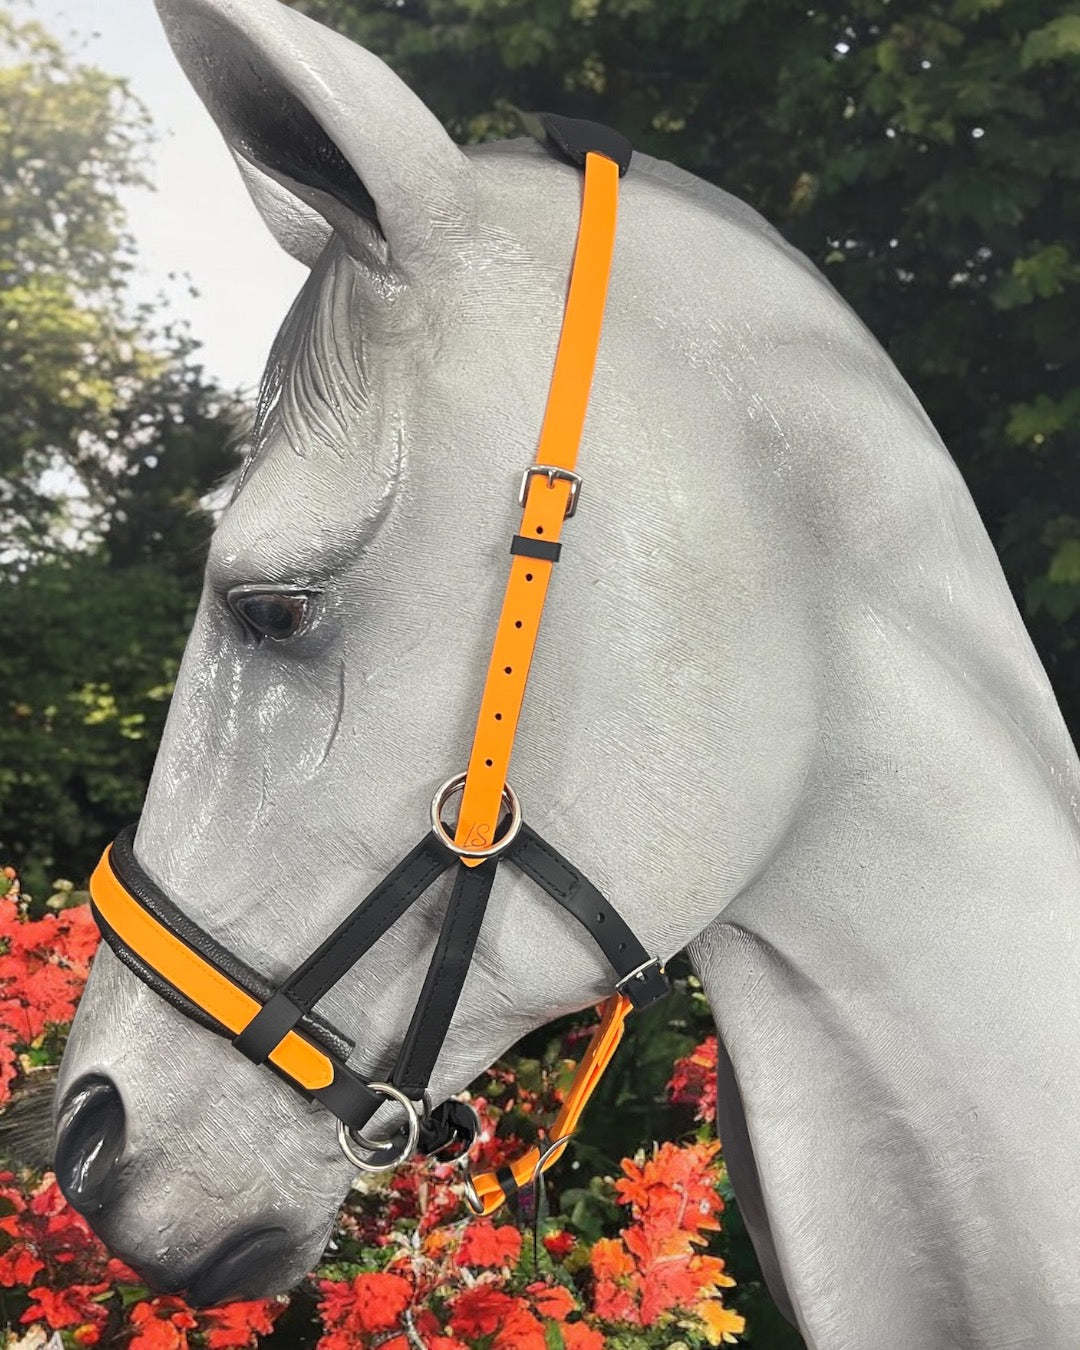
x,y
196,974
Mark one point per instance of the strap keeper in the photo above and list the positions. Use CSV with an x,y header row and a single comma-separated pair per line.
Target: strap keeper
x,y
268,1028
543,549
645,985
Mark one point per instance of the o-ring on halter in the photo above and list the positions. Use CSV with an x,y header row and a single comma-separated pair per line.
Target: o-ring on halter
x,y
279,1026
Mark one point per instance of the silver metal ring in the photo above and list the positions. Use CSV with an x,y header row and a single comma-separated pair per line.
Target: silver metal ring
x,y
472,1199
387,1156
451,788
423,1107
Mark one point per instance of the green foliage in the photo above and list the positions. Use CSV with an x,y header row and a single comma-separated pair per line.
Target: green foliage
x,y
90,652
925,155
109,438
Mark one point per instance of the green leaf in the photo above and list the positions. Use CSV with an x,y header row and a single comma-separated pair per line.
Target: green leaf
x,y
1058,40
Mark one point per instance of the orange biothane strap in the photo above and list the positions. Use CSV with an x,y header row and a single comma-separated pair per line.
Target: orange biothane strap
x,y
196,978
598,1055
546,503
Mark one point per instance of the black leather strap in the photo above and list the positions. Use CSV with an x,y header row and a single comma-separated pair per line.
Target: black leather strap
x,y
572,138
445,978
289,1007
451,1123
372,917
270,1025
580,898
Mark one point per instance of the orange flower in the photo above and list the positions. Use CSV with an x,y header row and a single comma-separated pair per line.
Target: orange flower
x,y
577,1336
488,1246
721,1324
610,1260
551,1300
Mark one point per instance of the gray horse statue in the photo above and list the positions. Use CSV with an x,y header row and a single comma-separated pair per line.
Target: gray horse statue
x,y
783,712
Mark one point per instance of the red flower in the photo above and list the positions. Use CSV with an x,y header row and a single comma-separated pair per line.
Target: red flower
x,y
380,1300
19,1265
370,1302
486,1245
161,1324
336,1303
481,1310
693,1082
237,1325
559,1245
66,1307
551,1300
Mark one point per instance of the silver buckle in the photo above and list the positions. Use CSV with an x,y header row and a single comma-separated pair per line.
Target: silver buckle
x,y
551,472
651,981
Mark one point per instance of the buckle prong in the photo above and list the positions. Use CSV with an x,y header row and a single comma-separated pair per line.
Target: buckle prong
x,y
552,472
645,984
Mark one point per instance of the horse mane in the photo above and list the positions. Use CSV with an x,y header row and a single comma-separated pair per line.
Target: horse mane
x,y
315,380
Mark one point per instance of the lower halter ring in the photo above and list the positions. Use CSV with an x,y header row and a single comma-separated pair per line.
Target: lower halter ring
x,y
387,1158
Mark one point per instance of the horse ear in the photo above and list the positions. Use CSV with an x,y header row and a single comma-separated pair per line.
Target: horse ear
x,y
326,135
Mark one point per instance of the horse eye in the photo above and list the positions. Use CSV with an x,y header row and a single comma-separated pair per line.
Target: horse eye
x,y
270,614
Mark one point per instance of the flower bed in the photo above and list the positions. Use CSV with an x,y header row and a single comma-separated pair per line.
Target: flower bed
x,y
625,1262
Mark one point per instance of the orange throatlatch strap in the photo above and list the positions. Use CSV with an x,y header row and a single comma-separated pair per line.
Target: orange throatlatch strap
x,y
492,1189
548,499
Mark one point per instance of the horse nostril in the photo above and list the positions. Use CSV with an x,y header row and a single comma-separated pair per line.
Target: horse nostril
x,y
89,1140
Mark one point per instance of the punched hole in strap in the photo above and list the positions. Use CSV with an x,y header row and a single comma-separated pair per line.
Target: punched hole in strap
x,y
268,1028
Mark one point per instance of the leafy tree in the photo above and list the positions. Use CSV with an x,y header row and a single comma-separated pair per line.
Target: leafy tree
x,y
87,386
110,436
924,153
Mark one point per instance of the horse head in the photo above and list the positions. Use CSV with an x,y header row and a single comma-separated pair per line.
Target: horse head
x,y
783,709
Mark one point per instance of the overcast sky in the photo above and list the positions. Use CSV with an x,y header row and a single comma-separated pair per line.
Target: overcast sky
x,y
200,221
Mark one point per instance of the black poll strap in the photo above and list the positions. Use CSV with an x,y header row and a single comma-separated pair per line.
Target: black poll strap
x,y
572,138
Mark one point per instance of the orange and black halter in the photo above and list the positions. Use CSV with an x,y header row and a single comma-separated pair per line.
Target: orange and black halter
x,y
278,1026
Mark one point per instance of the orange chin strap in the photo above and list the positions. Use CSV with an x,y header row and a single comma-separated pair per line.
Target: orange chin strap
x,y
487,1191
279,1025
